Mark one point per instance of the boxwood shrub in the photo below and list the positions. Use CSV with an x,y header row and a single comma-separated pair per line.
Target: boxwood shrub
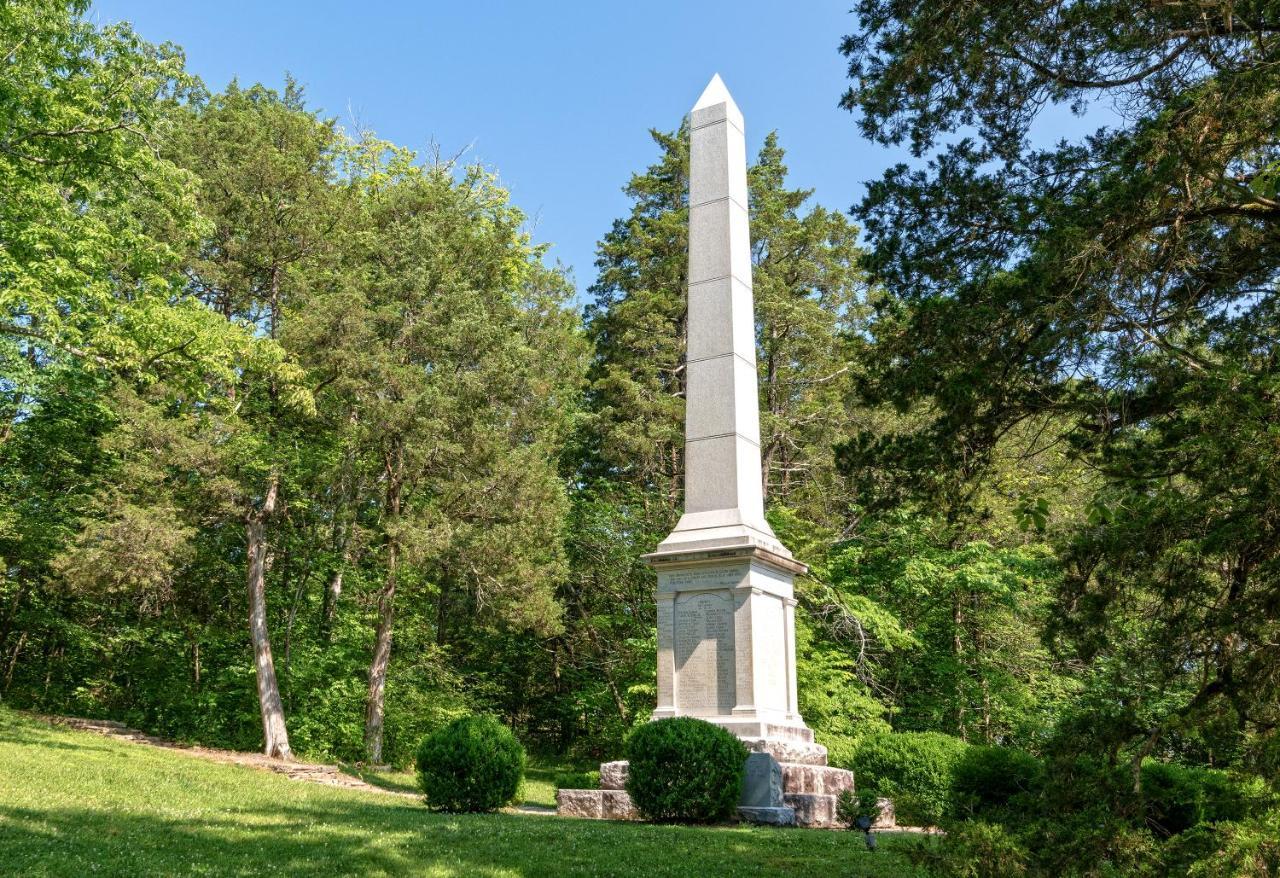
x,y
684,770
473,764
914,769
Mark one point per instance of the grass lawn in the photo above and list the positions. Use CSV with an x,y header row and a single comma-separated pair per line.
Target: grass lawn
x,y
77,804
539,787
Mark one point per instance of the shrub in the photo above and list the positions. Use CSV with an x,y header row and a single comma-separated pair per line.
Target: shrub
x,y
684,769
1240,850
985,779
1178,797
914,769
858,810
973,849
577,780
473,764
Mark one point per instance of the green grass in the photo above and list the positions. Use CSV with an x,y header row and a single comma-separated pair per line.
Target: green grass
x,y
77,804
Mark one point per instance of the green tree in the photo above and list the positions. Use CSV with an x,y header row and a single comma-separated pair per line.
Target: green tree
x,y
449,352
1117,291
266,166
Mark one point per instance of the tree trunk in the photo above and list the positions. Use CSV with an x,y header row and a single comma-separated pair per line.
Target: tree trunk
x,y
375,706
381,658
333,591
275,738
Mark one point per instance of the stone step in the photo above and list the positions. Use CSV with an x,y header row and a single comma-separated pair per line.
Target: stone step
x,y
596,804
789,750
813,810
815,779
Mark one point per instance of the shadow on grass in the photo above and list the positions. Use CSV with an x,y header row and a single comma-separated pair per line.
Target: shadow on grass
x,y
333,838
27,735
396,782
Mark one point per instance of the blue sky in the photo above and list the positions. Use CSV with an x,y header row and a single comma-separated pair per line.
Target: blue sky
x,y
557,97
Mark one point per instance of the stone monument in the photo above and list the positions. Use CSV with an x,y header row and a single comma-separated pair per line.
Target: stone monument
x,y
726,605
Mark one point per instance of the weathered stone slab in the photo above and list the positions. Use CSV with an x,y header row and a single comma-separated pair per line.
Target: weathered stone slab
x,y
616,805
818,779
580,803
596,804
812,810
762,785
781,816
786,750
613,775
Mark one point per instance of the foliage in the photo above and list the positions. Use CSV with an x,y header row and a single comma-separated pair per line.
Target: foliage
x,y
1116,295
685,770
1179,797
858,810
473,764
984,779
913,769
577,780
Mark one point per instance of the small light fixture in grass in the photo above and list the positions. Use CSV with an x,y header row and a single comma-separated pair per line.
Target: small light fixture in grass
x,y
473,764
859,812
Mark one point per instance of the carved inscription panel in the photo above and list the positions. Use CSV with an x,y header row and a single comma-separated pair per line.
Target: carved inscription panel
x,y
695,578
704,653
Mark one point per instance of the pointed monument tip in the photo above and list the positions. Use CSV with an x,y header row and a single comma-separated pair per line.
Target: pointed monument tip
x,y
715,93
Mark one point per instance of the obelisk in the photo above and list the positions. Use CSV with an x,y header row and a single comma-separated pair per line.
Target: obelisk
x,y
726,608
726,604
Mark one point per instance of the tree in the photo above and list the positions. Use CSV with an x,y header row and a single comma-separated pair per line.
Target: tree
x,y
1117,292
96,315
266,165
448,351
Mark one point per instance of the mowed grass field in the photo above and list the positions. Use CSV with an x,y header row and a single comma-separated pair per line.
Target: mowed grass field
x,y
78,804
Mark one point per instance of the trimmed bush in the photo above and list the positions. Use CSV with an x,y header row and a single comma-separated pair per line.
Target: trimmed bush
x,y
914,769
985,779
684,770
473,764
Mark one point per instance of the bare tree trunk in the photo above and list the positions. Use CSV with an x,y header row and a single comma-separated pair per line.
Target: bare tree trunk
x,y
375,706
275,738
381,659
333,591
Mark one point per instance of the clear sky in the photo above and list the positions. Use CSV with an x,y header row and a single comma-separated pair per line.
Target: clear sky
x,y
557,96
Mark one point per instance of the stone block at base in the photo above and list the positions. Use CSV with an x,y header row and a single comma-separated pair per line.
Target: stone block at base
x,y
813,810
616,805
780,816
887,819
789,750
613,775
819,779
596,804
580,803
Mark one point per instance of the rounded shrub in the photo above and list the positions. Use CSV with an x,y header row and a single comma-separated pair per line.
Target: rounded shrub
x,y
986,779
914,769
473,764
1179,797
684,770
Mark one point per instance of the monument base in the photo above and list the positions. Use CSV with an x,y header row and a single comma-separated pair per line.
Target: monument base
x,y
774,793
